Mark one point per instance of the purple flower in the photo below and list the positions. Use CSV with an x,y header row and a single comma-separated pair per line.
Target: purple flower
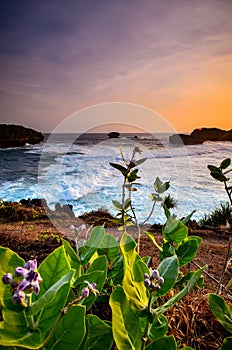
x,y
91,287
18,297
146,276
31,276
85,292
7,278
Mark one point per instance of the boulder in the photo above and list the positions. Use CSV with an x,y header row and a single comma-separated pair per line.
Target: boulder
x,y
17,136
113,135
201,135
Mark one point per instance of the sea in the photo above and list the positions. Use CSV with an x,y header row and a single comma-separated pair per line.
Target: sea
x,y
75,169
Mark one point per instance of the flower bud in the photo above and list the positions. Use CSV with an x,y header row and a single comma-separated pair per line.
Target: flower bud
x,y
160,280
85,292
155,274
18,297
146,276
7,278
147,282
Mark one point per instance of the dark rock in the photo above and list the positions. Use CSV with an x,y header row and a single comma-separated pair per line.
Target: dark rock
x,y
113,135
18,135
68,209
201,135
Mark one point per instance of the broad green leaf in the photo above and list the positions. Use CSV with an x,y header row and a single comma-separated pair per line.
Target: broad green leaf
x,y
99,264
125,322
174,230
168,250
24,339
90,277
219,177
49,296
158,328
72,258
140,161
133,285
116,271
190,284
221,311
182,282
188,217
71,330
54,267
99,334
187,251
168,269
196,238
225,163
227,344
117,205
92,245
152,238
9,260
214,169
109,247
127,203
160,187
49,315
165,343
119,167
133,176
15,322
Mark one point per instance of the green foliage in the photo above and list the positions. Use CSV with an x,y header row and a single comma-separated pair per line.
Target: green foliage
x,y
221,311
220,216
221,174
102,270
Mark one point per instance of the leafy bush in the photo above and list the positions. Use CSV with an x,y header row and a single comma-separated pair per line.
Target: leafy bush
x,y
220,216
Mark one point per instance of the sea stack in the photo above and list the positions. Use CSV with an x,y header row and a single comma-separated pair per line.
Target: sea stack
x,y
113,135
17,136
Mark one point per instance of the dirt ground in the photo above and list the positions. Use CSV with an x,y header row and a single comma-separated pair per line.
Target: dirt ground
x,y
190,321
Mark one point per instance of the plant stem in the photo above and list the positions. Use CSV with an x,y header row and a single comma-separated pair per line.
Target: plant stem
x,y
151,212
138,228
228,192
224,267
30,318
145,334
123,204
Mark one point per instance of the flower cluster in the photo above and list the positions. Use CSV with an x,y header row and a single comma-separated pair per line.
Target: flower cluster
x,y
29,283
154,281
91,288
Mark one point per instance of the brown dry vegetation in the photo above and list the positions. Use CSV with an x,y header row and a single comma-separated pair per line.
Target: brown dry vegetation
x,y
191,320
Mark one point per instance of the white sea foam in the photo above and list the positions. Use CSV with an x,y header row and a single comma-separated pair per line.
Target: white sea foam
x,y
80,174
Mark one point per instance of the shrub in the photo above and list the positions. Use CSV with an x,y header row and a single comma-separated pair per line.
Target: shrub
x,y
220,216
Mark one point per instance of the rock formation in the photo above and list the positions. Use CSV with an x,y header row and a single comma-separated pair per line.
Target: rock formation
x,y
113,135
18,135
201,135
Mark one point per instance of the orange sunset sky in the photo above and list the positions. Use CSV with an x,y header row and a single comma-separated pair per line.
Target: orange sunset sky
x,y
172,56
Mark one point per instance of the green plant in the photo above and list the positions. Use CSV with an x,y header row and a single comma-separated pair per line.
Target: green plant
x,y
170,202
223,313
126,215
48,307
219,216
220,174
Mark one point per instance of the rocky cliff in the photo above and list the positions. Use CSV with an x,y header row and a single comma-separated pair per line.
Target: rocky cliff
x,y
201,135
17,136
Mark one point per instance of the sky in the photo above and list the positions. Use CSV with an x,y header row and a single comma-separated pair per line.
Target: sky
x,y
173,57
